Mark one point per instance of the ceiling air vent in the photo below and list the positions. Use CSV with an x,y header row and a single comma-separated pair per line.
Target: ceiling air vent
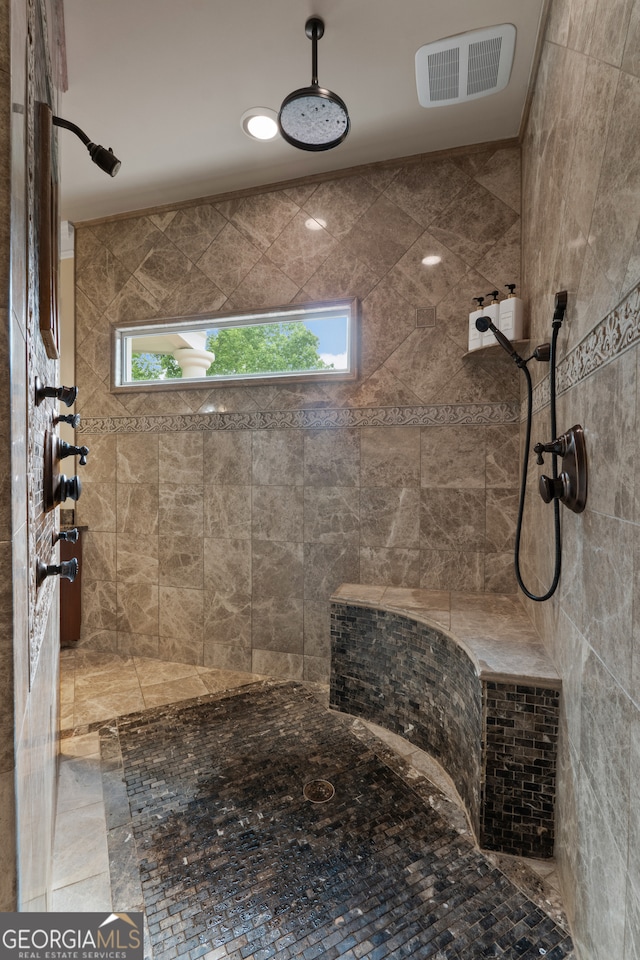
x,y
465,67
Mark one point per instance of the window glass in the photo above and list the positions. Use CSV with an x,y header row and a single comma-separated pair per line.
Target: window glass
x,y
297,341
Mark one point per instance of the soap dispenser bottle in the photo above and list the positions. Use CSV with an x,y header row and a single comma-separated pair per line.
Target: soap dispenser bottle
x,y
475,337
512,315
493,312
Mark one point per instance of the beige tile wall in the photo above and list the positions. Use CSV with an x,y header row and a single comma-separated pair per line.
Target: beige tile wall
x,y
29,637
222,546
581,210
7,818
237,574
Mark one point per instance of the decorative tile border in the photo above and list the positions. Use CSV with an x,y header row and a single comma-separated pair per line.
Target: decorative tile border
x,y
440,415
616,333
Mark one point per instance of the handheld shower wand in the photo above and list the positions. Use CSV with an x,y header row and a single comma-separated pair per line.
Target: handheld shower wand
x,y
486,323
544,352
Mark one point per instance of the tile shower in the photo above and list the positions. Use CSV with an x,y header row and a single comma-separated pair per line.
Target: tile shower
x,y
580,217
220,520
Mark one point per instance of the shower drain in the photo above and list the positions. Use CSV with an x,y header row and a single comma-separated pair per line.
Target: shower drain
x,y
318,791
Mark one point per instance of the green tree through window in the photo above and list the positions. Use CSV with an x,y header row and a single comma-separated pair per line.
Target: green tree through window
x,y
268,348
154,366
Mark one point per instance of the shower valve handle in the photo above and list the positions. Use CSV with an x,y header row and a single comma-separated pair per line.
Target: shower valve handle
x,y
556,446
70,536
571,486
68,488
71,418
66,570
551,489
68,450
66,395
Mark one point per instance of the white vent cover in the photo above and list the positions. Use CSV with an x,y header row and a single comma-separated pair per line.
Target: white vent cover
x,y
465,67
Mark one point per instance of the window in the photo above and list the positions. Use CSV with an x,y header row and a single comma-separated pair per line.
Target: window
x,y
296,342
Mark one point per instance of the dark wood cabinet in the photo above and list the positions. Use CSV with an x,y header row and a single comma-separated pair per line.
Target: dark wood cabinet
x,y
70,595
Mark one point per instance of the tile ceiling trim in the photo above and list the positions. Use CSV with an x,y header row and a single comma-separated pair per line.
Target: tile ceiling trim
x,y
424,416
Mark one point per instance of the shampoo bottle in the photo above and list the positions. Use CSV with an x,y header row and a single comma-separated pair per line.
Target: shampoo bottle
x,y
475,337
493,312
511,315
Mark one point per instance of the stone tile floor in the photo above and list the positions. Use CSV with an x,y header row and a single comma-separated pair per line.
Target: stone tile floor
x,y
402,875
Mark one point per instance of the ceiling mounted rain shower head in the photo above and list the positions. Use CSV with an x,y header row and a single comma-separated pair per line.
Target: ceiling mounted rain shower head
x,y
101,156
313,118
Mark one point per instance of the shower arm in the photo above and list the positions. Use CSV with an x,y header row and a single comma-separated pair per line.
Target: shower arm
x,y
314,29
314,58
68,125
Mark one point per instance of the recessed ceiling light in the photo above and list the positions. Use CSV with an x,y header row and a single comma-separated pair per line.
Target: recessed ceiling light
x,y
260,123
431,261
315,223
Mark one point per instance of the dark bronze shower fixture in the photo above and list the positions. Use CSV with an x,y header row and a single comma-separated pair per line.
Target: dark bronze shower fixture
x,y
69,536
66,570
103,157
313,118
571,486
568,487
71,418
66,395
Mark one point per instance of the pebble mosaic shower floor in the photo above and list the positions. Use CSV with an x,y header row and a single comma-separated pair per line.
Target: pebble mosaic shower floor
x,y
233,862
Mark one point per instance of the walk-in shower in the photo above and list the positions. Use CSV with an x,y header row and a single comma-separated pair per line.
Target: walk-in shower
x,y
569,486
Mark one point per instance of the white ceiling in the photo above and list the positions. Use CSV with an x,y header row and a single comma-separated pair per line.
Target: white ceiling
x,y
165,82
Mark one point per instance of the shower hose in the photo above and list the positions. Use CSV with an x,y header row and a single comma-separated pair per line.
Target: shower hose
x,y
523,485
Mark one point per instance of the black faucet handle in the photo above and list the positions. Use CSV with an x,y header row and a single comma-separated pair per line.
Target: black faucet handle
x,y
555,446
70,536
69,569
550,488
71,418
69,489
66,570
68,450
66,395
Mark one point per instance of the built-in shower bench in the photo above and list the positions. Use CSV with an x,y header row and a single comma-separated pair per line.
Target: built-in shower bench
x,y
466,678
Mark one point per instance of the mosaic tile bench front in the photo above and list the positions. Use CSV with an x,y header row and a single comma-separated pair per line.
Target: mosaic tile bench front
x,y
492,726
